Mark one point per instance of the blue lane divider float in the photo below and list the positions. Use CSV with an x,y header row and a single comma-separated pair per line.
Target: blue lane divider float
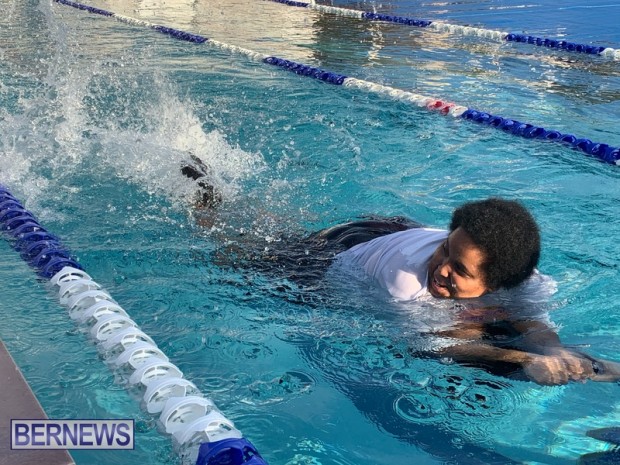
x,y
305,70
440,26
200,432
603,152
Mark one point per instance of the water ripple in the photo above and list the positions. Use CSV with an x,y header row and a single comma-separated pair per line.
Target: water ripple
x,y
276,389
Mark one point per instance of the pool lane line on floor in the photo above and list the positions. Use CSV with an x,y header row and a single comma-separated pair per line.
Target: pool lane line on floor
x,y
440,26
600,151
199,430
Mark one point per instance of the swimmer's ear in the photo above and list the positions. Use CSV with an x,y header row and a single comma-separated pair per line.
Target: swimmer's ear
x,y
489,291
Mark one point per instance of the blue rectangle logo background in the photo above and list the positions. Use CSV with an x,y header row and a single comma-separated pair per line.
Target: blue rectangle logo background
x,y
72,434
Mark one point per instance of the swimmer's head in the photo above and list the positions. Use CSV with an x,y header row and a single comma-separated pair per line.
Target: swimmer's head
x,y
493,244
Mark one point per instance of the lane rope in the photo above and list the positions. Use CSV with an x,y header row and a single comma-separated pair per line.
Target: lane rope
x,y
601,151
455,29
201,434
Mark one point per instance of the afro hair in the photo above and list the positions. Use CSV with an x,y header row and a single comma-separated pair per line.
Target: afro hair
x,y
508,236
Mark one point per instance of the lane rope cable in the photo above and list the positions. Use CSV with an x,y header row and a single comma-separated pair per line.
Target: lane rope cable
x,y
201,434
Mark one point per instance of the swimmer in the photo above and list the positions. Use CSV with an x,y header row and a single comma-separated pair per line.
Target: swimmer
x,y
491,245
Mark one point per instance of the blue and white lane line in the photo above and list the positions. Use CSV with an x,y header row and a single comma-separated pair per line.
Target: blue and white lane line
x,y
200,432
603,152
440,26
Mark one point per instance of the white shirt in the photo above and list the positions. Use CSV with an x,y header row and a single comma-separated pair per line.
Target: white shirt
x,y
398,262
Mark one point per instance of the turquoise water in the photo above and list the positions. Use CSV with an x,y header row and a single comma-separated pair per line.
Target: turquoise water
x,y
97,116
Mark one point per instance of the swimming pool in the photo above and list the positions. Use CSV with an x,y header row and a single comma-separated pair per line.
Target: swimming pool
x,y
97,115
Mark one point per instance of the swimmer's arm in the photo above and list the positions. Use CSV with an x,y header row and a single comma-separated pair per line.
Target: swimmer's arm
x,y
533,347
538,338
543,369
475,347
482,352
535,336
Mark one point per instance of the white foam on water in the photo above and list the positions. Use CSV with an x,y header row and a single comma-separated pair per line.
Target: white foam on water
x,y
110,115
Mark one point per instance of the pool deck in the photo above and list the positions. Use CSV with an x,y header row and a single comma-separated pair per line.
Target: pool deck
x,y
18,402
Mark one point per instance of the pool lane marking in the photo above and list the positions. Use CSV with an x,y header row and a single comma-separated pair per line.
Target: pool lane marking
x,y
184,412
600,151
440,26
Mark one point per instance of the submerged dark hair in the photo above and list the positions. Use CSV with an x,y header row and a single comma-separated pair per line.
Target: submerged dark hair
x,y
508,236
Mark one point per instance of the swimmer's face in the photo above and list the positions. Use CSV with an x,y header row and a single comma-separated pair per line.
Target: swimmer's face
x,y
455,269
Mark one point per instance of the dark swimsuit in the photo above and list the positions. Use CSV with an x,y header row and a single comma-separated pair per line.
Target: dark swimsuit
x,y
357,232
303,259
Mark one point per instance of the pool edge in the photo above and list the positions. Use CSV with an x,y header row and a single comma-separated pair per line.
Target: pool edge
x,y
19,402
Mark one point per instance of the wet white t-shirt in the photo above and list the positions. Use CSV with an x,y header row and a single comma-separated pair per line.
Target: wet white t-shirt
x,y
398,262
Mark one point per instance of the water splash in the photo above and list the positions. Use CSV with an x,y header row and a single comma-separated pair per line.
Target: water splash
x,y
109,116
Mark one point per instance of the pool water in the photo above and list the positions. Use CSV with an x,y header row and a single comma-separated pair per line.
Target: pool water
x,y
97,117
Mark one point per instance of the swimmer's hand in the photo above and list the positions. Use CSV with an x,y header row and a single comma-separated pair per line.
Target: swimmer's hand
x,y
531,346
557,368
562,365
